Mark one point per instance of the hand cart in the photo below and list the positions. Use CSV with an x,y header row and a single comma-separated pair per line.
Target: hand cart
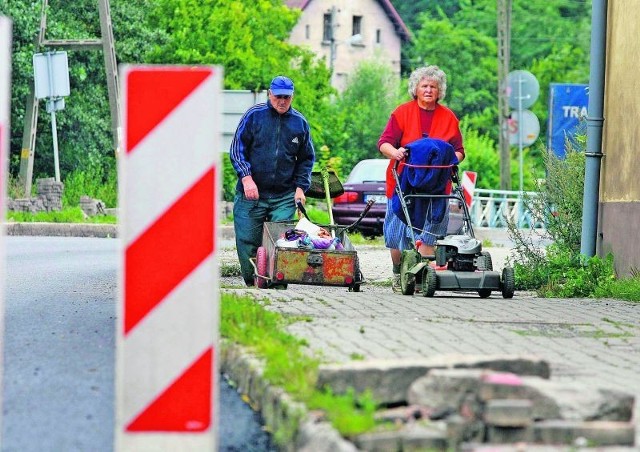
x,y
277,266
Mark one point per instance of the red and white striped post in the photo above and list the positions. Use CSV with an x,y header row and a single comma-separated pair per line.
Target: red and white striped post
x,y
168,308
468,186
5,116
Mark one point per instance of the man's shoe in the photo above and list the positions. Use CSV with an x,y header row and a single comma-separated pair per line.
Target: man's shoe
x,y
395,283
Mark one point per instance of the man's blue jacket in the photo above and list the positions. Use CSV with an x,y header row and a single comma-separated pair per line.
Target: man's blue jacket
x,y
276,150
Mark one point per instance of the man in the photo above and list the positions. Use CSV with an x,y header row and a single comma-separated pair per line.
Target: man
x,y
272,154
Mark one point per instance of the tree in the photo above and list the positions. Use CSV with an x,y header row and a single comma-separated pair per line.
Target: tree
x,y
84,127
469,58
360,113
409,11
248,38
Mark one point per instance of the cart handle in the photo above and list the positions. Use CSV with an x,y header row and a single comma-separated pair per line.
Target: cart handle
x,y
252,261
301,208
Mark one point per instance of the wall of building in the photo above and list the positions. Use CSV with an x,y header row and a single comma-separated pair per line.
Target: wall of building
x,y
619,225
309,32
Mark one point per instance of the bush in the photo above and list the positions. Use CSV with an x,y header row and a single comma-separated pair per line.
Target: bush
x,y
94,180
559,270
229,178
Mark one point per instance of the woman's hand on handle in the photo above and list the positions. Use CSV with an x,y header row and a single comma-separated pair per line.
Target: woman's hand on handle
x,y
393,153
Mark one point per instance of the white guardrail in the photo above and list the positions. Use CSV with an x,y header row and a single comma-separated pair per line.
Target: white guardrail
x,y
492,209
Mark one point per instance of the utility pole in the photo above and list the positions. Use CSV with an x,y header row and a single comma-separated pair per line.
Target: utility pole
x,y
504,52
332,49
106,44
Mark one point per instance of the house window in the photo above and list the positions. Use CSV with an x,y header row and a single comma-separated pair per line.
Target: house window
x,y
357,26
306,31
378,36
326,30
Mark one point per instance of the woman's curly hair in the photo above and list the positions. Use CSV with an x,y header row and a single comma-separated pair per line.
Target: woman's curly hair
x,y
431,73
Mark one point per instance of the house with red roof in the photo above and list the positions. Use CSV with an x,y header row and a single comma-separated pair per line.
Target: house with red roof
x,y
346,32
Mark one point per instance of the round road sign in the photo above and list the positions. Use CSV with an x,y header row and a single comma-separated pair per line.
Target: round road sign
x,y
530,128
522,88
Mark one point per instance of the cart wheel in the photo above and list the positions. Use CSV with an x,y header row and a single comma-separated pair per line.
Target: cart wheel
x,y
429,282
484,293
485,262
261,265
354,288
508,282
408,260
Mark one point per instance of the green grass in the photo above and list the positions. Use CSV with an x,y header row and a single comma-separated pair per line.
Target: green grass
x,y
358,239
230,269
352,414
247,322
68,215
621,289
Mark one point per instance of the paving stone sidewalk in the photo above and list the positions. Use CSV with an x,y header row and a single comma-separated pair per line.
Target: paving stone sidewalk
x,y
592,342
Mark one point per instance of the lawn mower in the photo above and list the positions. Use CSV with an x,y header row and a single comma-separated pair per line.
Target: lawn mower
x,y
459,263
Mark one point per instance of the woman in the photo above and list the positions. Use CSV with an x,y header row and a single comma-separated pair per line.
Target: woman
x,y
422,116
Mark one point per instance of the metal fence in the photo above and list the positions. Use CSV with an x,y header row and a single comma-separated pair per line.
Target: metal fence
x,y
493,208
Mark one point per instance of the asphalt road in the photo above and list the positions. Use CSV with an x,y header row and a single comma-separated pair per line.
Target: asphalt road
x,y
59,351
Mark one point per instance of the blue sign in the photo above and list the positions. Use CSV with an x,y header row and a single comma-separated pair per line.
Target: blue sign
x,y
567,114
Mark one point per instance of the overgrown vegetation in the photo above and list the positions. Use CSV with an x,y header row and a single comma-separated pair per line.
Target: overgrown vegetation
x,y
559,270
96,181
247,322
67,215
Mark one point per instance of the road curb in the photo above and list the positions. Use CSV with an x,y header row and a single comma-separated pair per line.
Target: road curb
x,y
225,231
62,229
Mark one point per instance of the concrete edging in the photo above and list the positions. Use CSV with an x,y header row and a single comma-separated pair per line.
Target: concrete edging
x,y
62,229
304,431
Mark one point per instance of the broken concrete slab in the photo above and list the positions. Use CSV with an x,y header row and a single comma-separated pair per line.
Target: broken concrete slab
x,y
389,380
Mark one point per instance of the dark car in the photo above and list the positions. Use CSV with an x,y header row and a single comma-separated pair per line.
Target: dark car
x,y
366,181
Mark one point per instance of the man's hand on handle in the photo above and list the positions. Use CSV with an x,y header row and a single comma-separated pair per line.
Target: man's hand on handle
x,y
299,196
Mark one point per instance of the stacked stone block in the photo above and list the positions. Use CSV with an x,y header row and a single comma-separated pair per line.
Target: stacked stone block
x,y
48,199
92,207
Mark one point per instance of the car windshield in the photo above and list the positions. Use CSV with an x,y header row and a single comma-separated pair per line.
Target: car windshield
x,y
371,170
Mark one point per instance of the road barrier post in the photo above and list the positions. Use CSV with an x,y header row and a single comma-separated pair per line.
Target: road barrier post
x,y
168,308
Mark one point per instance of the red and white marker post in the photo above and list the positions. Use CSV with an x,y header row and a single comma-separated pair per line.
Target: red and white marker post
x,y
468,186
5,129
167,324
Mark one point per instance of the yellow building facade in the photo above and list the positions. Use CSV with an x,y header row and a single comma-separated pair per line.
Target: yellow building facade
x,y
619,207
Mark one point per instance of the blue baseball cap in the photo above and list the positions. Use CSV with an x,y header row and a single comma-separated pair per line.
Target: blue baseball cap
x,y
281,85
